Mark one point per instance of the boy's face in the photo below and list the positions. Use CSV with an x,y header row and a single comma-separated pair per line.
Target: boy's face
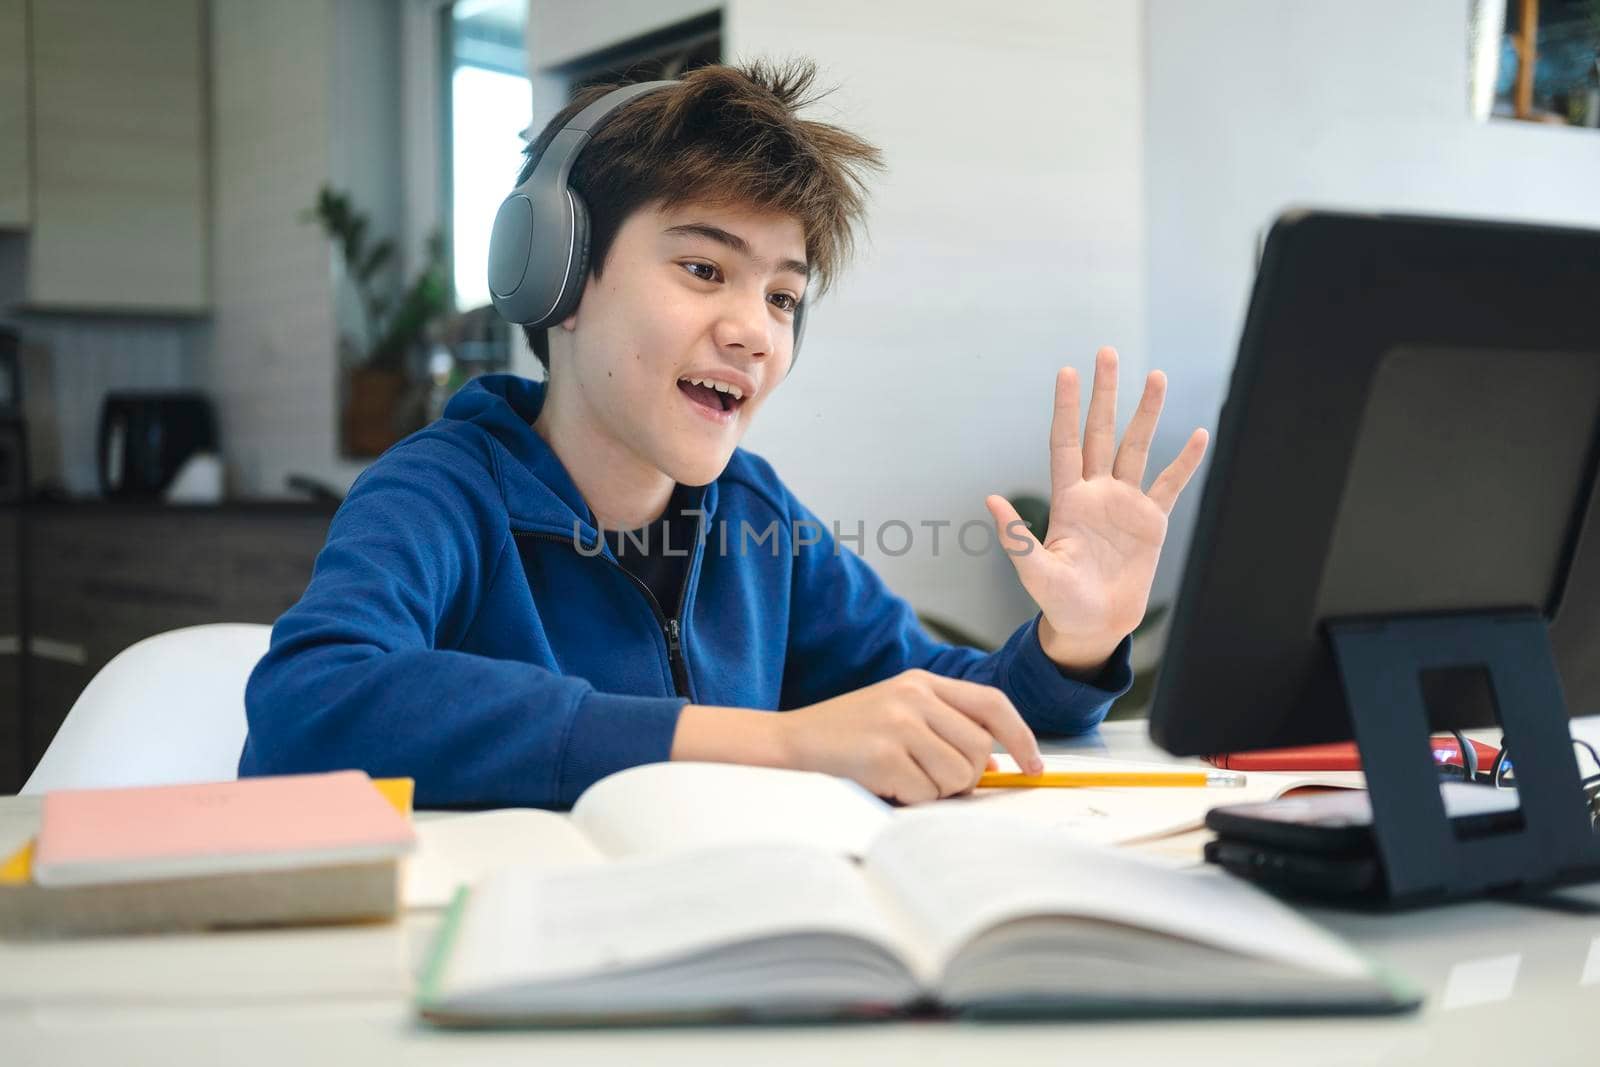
x,y
693,293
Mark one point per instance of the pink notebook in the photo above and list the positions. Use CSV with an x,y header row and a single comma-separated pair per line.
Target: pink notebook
x,y
102,836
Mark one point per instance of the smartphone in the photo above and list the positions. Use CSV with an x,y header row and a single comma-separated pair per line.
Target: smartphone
x,y
1322,843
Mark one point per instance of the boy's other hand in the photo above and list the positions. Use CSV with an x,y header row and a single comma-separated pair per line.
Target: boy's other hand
x,y
1091,574
914,737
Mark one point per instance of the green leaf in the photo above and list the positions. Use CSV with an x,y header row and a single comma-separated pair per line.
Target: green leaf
x,y
436,248
355,237
381,253
414,308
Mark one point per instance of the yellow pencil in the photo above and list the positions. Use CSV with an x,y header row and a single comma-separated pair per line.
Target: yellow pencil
x,y
1101,779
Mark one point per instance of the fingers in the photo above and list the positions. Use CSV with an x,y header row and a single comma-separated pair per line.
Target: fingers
x,y
1170,482
1100,431
1098,453
1135,450
945,766
992,710
1066,452
965,736
906,782
970,739
947,751
1018,542
926,736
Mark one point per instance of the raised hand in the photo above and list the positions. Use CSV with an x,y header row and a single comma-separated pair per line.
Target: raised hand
x,y
1091,573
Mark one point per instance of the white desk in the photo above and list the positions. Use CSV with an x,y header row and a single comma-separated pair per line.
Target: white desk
x,y
1505,984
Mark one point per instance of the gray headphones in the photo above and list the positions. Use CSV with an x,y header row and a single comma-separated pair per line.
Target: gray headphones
x,y
539,248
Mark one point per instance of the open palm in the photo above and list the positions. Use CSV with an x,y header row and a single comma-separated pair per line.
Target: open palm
x,y
1091,573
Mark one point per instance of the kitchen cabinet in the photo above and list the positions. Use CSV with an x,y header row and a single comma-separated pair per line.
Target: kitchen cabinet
x,y
119,156
16,171
101,577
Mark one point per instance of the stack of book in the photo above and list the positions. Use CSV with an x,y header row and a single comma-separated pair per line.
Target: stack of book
x,y
259,851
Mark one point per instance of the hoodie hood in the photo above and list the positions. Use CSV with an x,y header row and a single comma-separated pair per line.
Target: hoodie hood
x,y
538,491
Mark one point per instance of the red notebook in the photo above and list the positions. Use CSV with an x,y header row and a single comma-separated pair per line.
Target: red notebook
x,y
1339,756
145,833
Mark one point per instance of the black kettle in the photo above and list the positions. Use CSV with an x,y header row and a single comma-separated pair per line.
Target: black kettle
x,y
145,437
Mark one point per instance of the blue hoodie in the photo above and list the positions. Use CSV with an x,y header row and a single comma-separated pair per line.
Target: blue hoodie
x,y
466,624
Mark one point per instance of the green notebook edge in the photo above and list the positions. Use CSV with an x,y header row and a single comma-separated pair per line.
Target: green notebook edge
x,y
439,954
1408,996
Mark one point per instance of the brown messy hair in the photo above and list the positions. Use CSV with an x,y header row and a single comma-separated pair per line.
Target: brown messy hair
x,y
724,135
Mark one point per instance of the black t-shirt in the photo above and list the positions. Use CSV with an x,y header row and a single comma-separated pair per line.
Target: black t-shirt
x,y
644,552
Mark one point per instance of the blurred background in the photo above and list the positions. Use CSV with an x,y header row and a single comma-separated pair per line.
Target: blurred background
x,y
242,250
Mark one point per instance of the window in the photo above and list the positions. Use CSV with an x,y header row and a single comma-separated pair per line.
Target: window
x,y
491,103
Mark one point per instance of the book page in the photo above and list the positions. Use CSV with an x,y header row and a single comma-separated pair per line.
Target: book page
x,y
665,808
1116,816
959,876
527,926
454,850
1094,816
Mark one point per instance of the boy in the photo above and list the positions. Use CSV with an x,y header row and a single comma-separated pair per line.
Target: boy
x,y
559,580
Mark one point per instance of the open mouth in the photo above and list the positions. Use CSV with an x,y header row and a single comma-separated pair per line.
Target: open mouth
x,y
709,395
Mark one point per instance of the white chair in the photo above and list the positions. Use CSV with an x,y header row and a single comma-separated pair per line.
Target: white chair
x,y
166,710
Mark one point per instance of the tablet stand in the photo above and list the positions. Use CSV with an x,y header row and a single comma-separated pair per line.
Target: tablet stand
x,y
1380,663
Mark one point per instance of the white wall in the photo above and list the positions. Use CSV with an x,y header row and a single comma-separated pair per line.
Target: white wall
x,y
1257,104
273,327
304,92
365,144
422,68
1006,240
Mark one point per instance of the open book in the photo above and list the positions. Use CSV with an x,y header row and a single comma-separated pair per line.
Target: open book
x,y
708,891
684,809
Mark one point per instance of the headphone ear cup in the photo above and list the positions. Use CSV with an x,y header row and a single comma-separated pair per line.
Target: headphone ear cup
x,y
577,266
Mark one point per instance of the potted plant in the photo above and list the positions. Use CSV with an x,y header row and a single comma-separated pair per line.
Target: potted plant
x,y
380,400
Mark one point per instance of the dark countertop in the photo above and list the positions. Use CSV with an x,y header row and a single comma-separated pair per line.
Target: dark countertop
x,y
262,506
